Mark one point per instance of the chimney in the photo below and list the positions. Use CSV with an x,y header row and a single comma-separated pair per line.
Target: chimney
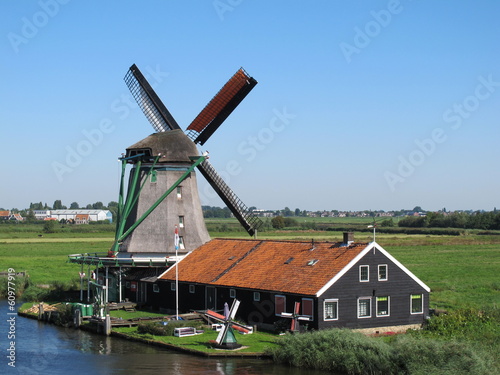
x,y
348,238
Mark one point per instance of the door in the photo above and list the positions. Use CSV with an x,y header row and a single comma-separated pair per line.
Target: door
x,y
211,298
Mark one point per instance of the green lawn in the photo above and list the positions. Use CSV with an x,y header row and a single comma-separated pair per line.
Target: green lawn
x,y
47,261
257,342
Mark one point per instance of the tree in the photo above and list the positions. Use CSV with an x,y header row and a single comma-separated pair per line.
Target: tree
x,y
297,212
30,216
98,206
74,206
417,209
58,205
278,222
49,226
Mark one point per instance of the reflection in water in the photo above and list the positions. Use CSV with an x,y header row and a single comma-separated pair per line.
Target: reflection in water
x,y
46,349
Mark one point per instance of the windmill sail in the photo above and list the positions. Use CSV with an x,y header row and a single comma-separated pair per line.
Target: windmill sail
x,y
246,217
154,109
221,106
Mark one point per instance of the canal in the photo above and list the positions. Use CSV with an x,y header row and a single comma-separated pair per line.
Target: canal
x,y
39,348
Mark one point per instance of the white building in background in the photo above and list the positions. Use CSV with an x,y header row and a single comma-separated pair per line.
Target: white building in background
x,y
41,214
92,215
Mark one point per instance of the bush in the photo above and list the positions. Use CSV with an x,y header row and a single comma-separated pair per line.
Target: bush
x,y
336,350
348,352
428,356
158,329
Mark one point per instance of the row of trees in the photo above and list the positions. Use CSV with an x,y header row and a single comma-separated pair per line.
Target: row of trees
x,y
73,206
477,220
217,212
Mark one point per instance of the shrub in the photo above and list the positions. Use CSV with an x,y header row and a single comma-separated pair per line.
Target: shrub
x,y
158,329
347,352
428,356
337,350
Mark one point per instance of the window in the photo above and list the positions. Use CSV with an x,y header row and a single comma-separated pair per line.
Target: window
x,y
127,285
256,296
279,304
383,306
232,293
331,309
382,272
172,286
417,306
364,274
156,288
364,307
153,176
133,286
307,307
179,192
191,288
181,243
181,221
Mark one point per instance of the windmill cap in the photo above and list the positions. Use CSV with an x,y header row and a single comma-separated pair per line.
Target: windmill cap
x,y
173,145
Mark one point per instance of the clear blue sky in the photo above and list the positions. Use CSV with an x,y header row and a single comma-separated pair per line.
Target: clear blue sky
x,y
360,104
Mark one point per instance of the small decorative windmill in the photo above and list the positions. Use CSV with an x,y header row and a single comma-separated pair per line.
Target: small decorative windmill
x,y
162,188
295,317
226,338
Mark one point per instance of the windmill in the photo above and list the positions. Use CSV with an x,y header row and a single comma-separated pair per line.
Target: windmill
x,y
162,188
295,317
226,338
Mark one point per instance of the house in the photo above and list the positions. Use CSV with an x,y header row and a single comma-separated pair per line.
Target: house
x,y
81,218
344,284
16,217
93,215
8,215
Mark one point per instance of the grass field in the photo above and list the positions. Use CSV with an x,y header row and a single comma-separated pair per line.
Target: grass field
x,y
462,271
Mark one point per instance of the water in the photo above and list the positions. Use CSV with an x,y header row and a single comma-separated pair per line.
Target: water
x,y
42,348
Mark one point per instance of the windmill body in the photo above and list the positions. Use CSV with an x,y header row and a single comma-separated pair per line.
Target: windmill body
x,y
181,208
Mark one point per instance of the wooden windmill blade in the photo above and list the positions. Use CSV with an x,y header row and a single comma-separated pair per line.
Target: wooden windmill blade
x,y
154,109
221,106
295,317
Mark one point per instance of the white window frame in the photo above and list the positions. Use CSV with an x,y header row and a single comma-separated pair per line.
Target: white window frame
x,y
192,288
179,192
181,243
232,293
386,272
411,303
181,221
156,288
367,273
370,307
388,306
172,286
256,296
331,300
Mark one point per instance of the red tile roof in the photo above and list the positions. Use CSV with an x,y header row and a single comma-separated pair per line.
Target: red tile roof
x,y
265,264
